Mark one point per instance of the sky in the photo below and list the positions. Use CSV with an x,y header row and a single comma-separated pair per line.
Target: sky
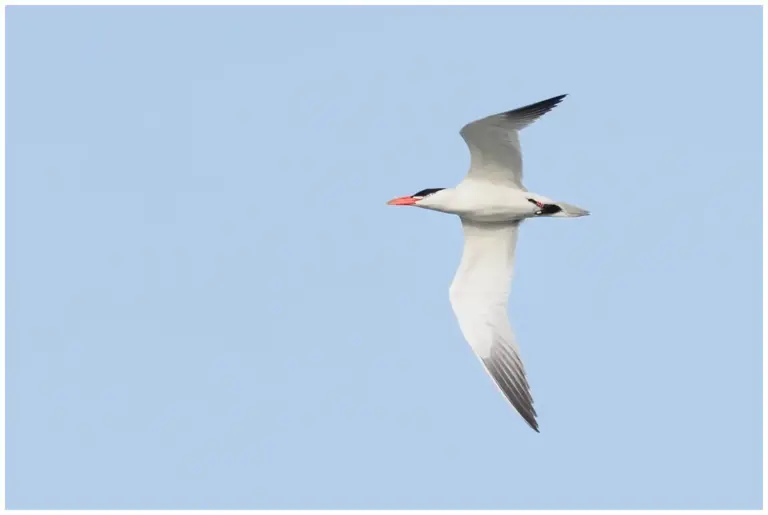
x,y
209,304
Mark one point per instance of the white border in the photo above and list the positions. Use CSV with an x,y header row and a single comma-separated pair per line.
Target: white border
x,y
765,268
388,2
2,262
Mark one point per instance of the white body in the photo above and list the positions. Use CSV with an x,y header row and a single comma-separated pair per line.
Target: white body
x,y
482,202
492,203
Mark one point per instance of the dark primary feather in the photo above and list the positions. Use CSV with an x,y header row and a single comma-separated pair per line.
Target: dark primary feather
x,y
507,370
494,144
524,116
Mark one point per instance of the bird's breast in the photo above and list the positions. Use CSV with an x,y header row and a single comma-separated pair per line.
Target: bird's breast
x,y
495,204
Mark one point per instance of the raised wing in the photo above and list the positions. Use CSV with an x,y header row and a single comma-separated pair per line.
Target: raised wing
x,y
495,146
479,295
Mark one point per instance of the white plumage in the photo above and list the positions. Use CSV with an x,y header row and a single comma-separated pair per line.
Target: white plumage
x,y
492,203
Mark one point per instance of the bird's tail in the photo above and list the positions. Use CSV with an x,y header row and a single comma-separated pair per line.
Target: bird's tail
x,y
570,211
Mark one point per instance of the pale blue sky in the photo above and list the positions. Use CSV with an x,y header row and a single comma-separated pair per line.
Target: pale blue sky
x,y
210,305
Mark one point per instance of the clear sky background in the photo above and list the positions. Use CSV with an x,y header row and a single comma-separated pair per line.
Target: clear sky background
x,y
211,306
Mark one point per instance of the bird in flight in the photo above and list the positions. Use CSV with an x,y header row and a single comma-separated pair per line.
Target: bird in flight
x,y
492,203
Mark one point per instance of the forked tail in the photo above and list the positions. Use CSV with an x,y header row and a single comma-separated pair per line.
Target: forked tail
x,y
569,211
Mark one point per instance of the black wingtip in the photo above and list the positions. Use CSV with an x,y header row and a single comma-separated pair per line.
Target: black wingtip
x,y
554,100
515,392
526,115
547,104
532,422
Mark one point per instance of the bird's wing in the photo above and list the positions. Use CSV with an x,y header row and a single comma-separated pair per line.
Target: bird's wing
x,y
479,295
494,144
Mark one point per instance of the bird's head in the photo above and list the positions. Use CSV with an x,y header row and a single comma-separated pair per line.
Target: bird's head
x,y
430,198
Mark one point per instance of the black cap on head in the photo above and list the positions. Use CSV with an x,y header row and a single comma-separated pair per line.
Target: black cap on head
x,y
428,191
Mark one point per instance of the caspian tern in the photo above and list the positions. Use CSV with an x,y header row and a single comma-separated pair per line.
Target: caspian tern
x,y
492,203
